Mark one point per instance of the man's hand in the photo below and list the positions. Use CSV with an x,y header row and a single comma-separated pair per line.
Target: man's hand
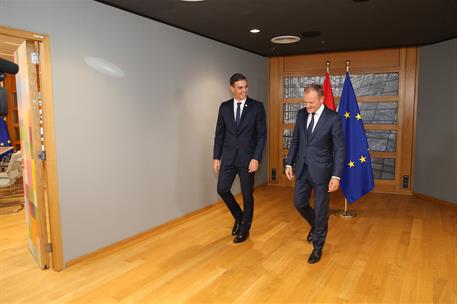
x,y
253,165
333,185
289,173
216,165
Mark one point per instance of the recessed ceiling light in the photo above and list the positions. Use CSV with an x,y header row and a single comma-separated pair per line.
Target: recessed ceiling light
x,y
255,31
285,39
192,0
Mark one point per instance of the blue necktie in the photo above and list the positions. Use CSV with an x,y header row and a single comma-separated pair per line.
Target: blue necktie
x,y
238,114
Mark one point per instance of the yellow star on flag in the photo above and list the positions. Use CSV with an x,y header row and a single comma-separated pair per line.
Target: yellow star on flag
x,y
347,115
362,159
359,117
351,164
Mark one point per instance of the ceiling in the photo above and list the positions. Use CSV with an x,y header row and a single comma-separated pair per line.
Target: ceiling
x,y
343,24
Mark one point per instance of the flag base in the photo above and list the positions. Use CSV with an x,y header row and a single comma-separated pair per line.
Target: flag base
x,y
346,214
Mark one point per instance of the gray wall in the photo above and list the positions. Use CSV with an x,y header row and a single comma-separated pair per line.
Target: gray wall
x,y
133,152
435,169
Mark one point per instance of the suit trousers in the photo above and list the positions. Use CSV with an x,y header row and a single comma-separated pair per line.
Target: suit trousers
x,y
317,217
227,175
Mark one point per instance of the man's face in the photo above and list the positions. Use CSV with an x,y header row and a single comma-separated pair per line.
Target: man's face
x,y
240,89
312,101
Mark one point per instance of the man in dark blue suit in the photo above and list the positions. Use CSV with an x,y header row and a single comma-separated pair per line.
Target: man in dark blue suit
x,y
241,133
317,150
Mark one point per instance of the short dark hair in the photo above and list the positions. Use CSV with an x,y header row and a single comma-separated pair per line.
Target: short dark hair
x,y
314,87
237,77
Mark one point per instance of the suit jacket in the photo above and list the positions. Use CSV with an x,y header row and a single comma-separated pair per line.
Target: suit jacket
x,y
324,152
245,142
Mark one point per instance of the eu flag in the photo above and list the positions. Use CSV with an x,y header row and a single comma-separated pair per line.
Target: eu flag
x,y
4,135
357,177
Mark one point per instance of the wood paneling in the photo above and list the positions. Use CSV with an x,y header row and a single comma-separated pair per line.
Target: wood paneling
x,y
408,124
401,60
12,118
388,59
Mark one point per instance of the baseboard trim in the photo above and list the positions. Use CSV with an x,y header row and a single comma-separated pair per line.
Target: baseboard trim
x,y
148,233
434,199
137,237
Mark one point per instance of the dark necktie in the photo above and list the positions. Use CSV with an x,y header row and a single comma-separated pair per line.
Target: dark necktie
x,y
309,132
238,114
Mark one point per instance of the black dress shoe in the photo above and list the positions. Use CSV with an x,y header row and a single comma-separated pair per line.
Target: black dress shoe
x,y
315,256
241,237
236,227
309,238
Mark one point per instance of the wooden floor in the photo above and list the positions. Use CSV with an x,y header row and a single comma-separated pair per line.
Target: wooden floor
x,y
11,199
400,249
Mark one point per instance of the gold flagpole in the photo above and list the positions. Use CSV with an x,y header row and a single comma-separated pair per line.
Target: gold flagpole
x,y
346,214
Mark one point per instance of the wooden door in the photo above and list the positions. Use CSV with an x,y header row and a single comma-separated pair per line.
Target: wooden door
x,y
30,122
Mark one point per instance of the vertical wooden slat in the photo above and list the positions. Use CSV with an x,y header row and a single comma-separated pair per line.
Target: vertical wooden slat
x,y
51,155
416,88
408,125
401,110
273,106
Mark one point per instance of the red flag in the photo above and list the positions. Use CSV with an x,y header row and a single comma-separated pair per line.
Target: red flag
x,y
329,102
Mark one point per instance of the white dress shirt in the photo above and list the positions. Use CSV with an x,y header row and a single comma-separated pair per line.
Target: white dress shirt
x,y
235,105
317,115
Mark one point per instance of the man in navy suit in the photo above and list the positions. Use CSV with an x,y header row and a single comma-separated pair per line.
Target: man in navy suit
x,y
317,150
240,137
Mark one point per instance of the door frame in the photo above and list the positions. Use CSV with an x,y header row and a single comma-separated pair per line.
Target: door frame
x,y
52,191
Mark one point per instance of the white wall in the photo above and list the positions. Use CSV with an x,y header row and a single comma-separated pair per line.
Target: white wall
x,y
133,152
435,168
